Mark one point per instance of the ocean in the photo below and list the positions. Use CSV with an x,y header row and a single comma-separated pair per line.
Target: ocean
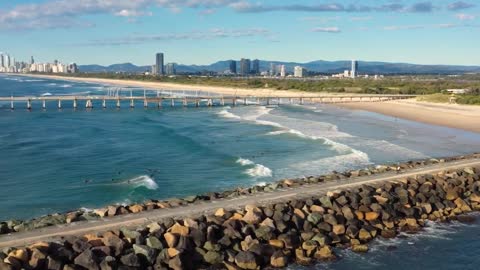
x,y
61,160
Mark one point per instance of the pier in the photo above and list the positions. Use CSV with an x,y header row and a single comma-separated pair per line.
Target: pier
x,y
104,101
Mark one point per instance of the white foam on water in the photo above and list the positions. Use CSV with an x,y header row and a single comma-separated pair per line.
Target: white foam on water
x,y
34,80
259,171
226,114
66,85
52,84
46,94
142,181
261,184
244,162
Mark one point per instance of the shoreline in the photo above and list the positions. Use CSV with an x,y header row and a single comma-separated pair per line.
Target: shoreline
x,y
241,92
464,117
269,233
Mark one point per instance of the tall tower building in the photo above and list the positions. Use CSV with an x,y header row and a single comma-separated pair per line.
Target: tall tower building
x,y
2,61
353,72
256,66
283,71
233,67
244,67
160,69
32,61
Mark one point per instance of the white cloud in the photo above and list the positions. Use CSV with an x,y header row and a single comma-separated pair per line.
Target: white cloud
x,y
327,29
215,33
464,17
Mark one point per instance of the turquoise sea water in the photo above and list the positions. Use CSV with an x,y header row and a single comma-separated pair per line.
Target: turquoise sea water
x,y
54,161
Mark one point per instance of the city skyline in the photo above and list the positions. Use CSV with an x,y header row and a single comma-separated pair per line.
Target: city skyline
x,y
205,31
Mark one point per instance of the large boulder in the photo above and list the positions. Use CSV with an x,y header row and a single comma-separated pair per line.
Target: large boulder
x,y
87,259
246,260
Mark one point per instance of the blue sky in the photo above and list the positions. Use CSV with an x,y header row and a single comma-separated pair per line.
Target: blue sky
x,y
205,31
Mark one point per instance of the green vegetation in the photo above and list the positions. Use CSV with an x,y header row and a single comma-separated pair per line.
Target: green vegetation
x,y
437,98
470,99
420,85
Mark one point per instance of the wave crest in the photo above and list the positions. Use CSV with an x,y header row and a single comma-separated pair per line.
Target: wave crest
x,y
142,181
259,171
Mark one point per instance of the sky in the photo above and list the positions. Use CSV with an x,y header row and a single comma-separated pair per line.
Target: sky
x,y
205,31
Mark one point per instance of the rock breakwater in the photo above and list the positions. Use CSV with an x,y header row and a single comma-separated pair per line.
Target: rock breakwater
x,y
12,226
295,231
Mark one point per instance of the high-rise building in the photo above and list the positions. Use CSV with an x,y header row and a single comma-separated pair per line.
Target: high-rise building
x,y
32,61
170,69
299,72
354,70
273,69
283,71
244,67
2,62
256,67
233,67
159,64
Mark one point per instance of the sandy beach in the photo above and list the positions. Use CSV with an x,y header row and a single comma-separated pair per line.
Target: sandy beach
x,y
464,117
450,115
241,92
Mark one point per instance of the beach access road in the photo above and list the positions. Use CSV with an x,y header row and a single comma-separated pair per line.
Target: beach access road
x,y
193,210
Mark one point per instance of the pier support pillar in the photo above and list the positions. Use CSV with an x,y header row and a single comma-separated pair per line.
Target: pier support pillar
x,y
245,101
268,101
197,103
159,105
132,103
185,102
301,101
59,104
11,104
104,104
118,103
222,101
75,103
172,103
278,101
29,104
145,103
234,102
44,105
209,102
89,104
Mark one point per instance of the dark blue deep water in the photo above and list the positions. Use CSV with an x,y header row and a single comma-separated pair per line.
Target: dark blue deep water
x,y
59,160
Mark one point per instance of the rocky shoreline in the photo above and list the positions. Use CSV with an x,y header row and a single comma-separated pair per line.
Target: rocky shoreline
x,y
270,236
12,226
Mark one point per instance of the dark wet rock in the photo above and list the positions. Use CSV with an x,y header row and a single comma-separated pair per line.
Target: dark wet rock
x,y
131,259
108,263
80,245
147,253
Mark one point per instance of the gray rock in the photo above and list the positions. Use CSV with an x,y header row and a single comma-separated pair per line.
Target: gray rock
x,y
154,242
87,260
147,252
131,259
108,263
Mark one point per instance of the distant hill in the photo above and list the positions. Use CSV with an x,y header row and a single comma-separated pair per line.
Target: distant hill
x,y
319,66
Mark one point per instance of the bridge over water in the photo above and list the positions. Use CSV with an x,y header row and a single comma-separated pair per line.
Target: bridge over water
x,y
116,101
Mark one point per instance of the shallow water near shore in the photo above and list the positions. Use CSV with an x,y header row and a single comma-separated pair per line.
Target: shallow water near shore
x,y
55,161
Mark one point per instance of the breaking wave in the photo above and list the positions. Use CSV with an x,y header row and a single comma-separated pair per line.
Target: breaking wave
x,y
142,181
255,170
259,171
